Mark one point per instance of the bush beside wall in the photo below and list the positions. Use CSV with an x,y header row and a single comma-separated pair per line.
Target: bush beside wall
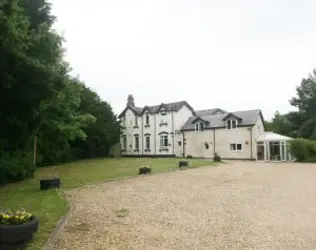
x,y
303,150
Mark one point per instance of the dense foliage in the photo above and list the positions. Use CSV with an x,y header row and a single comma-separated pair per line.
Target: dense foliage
x,y
40,103
300,123
303,150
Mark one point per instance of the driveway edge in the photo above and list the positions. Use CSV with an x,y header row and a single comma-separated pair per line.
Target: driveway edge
x,y
49,245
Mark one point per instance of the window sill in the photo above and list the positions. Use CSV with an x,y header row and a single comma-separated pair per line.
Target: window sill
x,y
136,150
147,150
163,149
163,124
147,126
136,126
123,150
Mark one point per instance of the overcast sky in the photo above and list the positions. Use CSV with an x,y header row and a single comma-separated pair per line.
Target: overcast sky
x,y
230,54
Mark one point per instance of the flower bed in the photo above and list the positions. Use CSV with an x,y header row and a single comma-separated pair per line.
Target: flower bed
x,y
17,227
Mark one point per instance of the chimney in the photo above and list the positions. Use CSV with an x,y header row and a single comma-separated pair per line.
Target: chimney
x,y
130,101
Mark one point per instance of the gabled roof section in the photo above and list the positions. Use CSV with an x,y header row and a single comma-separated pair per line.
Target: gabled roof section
x,y
231,115
247,118
146,108
197,118
136,110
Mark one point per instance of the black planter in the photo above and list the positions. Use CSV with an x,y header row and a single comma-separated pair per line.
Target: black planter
x,y
144,170
11,235
183,164
50,183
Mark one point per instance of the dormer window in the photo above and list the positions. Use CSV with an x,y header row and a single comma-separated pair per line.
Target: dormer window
x,y
232,124
199,126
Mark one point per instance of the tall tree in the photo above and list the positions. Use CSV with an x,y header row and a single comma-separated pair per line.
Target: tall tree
x,y
305,101
102,134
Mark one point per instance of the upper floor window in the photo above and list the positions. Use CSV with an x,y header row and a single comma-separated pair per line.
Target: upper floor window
x,y
199,126
123,121
147,119
232,124
136,121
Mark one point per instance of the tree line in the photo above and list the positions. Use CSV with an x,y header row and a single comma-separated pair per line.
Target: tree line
x,y
41,105
302,122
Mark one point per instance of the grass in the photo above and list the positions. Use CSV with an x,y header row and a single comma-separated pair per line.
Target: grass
x,y
49,206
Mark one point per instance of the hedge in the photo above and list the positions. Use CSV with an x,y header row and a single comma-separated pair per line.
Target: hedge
x,y
303,150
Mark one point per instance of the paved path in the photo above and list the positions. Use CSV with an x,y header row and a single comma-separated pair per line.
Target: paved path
x,y
239,205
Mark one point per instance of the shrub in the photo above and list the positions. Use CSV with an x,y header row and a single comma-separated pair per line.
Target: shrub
x,y
189,156
303,150
217,158
16,166
15,218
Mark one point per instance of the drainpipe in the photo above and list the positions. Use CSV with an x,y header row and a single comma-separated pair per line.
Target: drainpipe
x,y
142,126
173,133
155,133
251,143
183,144
214,143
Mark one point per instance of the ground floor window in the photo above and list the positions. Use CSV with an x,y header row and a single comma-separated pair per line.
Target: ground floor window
x,y
235,147
147,142
136,142
163,141
124,143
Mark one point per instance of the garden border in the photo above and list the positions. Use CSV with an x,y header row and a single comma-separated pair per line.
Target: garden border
x,y
50,243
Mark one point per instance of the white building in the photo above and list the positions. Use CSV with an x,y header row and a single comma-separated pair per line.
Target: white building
x,y
176,130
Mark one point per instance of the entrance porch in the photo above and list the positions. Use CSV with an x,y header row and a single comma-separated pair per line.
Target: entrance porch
x,y
273,147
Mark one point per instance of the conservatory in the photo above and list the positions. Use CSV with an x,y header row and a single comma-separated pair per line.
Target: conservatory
x,y
273,147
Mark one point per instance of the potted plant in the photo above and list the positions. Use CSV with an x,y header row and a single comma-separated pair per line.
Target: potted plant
x,y
17,227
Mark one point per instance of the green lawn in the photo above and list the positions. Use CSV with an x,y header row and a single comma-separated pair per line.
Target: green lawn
x,y
50,207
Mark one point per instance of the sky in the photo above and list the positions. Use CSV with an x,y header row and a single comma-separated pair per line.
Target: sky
x,y
234,55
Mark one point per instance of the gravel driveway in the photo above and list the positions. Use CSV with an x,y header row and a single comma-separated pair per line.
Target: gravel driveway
x,y
238,205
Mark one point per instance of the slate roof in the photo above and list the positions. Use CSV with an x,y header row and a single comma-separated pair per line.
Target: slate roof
x,y
247,117
206,112
173,106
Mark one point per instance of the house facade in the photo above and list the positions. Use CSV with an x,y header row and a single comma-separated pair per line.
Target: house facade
x,y
177,130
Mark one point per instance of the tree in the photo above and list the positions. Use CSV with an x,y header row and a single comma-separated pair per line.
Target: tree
x,y
102,134
305,119
280,124
38,97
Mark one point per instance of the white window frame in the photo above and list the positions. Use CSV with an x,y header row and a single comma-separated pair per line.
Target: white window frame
x,y
147,136
136,144
123,121
230,122
136,120
199,126
196,126
235,146
164,141
124,143
147,121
